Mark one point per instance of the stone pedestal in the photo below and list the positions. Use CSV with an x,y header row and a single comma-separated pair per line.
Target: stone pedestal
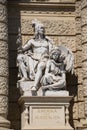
x,y
45,113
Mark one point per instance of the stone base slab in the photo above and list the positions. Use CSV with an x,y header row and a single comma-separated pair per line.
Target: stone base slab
x,y
45,113
49,128
25,90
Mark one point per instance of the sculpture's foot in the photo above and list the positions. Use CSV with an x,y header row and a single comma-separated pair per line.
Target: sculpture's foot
x,y
23,79
34,91
33,88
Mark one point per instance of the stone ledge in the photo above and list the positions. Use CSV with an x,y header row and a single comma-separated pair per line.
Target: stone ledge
x,y
50,99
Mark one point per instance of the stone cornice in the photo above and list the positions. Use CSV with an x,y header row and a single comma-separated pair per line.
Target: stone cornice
x,y
42,4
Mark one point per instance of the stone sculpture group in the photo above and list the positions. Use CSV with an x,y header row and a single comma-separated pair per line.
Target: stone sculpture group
x,y
42,62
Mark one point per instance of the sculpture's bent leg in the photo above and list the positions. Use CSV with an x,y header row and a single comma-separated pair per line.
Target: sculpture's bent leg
x,y
58,85
22,67
39,73
31,68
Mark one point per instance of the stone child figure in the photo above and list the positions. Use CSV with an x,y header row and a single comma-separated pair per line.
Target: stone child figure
x,y
33,55
61,61
54,78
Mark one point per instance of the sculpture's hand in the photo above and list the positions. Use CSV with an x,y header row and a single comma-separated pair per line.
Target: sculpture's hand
x,y
20,50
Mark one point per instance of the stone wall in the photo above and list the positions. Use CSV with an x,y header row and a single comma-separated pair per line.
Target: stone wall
x,y
62,22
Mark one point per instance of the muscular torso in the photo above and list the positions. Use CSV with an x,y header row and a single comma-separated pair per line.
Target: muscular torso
x,y
39,47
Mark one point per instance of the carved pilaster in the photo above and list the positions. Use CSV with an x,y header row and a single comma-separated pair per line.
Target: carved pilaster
x,y
4,123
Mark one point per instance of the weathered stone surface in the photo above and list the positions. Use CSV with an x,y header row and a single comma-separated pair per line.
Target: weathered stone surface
x,y
83,3
69,41
4,85
79,72
54,27
80,93
3,13
4,67
81,113
3,31
85,71
3,105
79,58
78,8
78,42
78,25
75,111
83,16
84,34
4,49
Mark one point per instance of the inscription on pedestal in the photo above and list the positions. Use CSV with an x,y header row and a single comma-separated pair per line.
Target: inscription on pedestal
x,y
48,115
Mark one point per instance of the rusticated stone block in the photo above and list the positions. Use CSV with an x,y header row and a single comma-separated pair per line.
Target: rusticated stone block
x,y
4,36
79,74
85,70
80,93
78,25
79,58
3,104
78,8
3,67
3,13
4,85
78,42
84,34
3,28
85,99
85,86
75,122
83,3
68,41
81,110
75,111
84,16
3,49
